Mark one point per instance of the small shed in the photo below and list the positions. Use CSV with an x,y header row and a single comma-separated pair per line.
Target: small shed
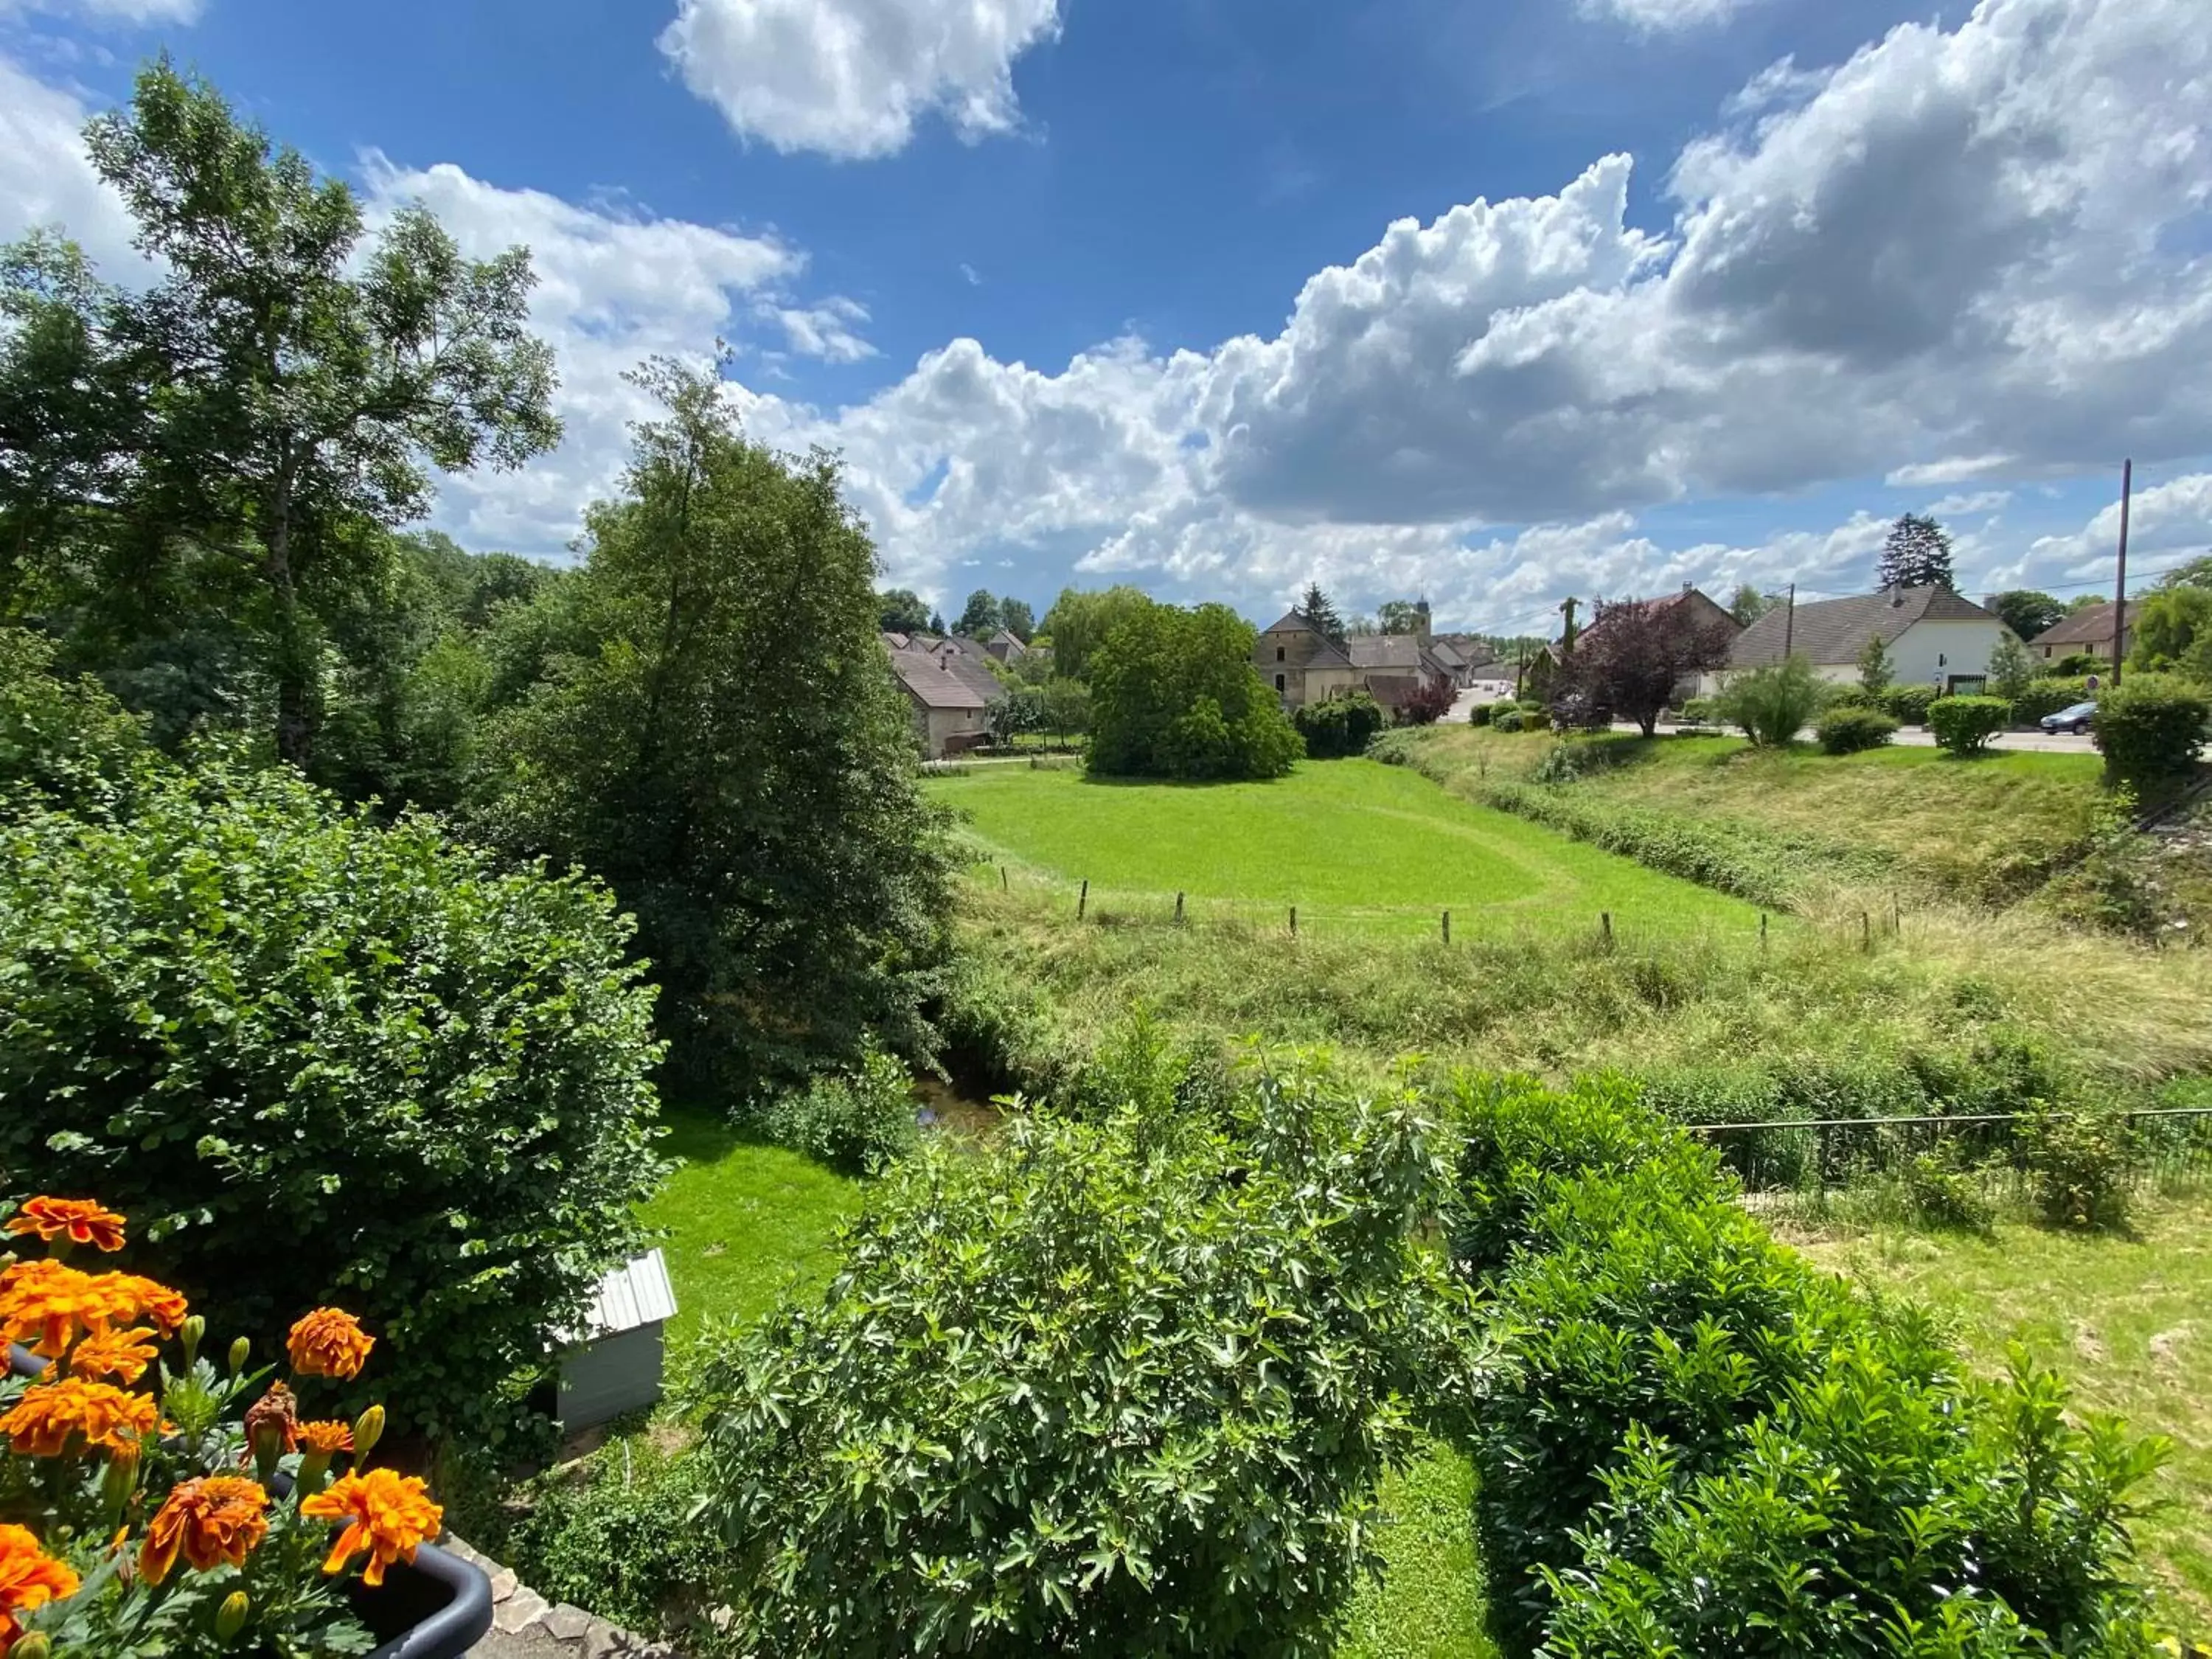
x,y
612,1364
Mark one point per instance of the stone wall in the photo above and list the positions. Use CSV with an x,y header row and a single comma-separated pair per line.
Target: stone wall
x,y
525,1626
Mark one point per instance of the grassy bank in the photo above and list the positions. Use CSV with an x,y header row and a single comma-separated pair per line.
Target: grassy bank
x,y
1791,827
2127,1320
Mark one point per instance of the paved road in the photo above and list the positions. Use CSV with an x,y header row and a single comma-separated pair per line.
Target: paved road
x,y
1912,737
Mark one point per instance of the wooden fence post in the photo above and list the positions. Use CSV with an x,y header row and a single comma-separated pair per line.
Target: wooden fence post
x,y
1605,928
1448,927
1005,884
1294,921
1083,899
1866,932
1762,932
1178,909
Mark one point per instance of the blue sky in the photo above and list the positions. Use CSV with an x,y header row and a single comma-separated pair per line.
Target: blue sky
x,y
1678,290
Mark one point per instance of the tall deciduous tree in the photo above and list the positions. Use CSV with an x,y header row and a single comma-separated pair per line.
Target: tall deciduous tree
x,y
1399,617
981,618
1080,619
1917,553
1321,613
718,739
902,611
1174,693
1635,652
1749,605
1876,668
2028,612
285,386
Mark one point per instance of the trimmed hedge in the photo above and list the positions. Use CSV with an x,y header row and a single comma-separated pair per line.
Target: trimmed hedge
x,y
2150,728
1909,704
1339,725
1699,1443
1851,730
2047,697
1965,725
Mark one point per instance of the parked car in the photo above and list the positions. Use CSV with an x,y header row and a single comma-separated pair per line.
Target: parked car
x,y
2076,719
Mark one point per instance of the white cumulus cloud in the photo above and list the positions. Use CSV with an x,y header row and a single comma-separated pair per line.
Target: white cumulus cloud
x,y
852,78
1663,16
130,13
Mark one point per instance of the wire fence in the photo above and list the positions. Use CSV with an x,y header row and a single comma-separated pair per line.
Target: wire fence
x,y
1874,1168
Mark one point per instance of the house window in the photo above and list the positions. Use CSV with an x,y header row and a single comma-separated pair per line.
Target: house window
x,y
1278,653
1279,681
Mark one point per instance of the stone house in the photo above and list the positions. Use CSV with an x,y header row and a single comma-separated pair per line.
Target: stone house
x,y
2089,628
948,691
1304,666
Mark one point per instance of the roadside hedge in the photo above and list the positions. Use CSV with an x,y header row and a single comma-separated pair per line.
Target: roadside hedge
x,y
1964,726
1339,725
2047,696
1701,1444
2150,728
1909,704
317,1059
1850,731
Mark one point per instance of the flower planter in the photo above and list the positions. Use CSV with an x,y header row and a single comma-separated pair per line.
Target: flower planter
x,y
438,1608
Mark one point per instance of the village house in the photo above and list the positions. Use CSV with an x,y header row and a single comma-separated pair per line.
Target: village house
x,y
2089,628
1304,666
1933,637
950,691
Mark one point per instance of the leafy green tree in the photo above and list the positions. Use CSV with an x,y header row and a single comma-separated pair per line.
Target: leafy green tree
x,y
1399,617
717,738
1917,553
901,611
1876,670
1080,619
1121,1386
1021,710
1067,708
1633,658
1749,605
1018,619
2166,623
2028,612
981,618
1173,694
2012,671
281,389
1321,614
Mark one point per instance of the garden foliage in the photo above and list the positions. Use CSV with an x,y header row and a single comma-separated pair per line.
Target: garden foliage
x,y
1771,704
1909,704
2047,696
1964,726
1339,725
1703,1445
860,1119
1849,731
2151,728
1117,1386
318,1060
1634,653
1173,694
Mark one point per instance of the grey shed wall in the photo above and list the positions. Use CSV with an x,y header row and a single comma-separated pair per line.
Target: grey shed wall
x,y
616,1374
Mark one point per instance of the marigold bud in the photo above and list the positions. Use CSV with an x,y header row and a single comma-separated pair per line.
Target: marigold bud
x,y
368,1429
194,1328
239,1350
31,1646
230,1617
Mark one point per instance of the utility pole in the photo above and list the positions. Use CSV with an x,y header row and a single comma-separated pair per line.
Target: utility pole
x,y
1567,610
1789,623
2120,586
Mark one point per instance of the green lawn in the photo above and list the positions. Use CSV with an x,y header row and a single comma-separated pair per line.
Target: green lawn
x,y
2128,1322
743,1222
1341,840
1428,1602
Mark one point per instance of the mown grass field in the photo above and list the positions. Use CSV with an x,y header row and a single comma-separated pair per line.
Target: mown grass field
x,y
2127,1320
1346,842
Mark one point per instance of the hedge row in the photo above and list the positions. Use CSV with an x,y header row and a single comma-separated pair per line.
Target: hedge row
x,y
1703,1445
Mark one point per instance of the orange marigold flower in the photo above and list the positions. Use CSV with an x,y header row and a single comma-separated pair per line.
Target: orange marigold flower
x,y
329,1342
45,1304
79,1221
107,1417
154,1300
216,1519
123,1355
325,1439
277,1413
29,1578
385,1514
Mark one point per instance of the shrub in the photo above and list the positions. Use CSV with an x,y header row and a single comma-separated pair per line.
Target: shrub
x,y
1510,719
323,1060
2047,697
1032,1413
1536,720
1771,704
1479,713
134,1420
1942,1195
2083,662
1850,731
2151,729
1427,702
861,1121
1965,725
1848,697
616,1535
2080,1163
66,741
1700,711
1339,725
1908,704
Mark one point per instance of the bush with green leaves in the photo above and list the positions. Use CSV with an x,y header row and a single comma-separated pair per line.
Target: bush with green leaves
x,y
1846,695
1698,1443
1700,711
1114,1386
861,1121
2151,728
1479,713
1964,726
1339,725
615,1534
1849,731
317,1059
1173,694
1772,704
2047,696
2080,1163
1510,719
1909,704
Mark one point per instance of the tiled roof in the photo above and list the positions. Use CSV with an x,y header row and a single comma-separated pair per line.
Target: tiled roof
x,y
1835,631
2091,625
1289,623
1396,651
1328,656
944,679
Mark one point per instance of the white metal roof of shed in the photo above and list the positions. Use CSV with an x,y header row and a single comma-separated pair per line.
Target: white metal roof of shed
x,y
636,1294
